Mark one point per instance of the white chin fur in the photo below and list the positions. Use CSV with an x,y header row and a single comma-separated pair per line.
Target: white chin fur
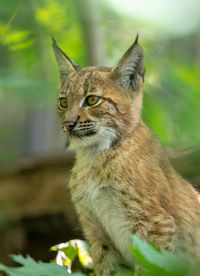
x,y
98,142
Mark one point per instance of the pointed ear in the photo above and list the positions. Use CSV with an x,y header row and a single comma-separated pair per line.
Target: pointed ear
x,y
65,64
129,72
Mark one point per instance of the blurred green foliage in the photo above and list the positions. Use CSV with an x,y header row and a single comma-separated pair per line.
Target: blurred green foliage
x,y
29,76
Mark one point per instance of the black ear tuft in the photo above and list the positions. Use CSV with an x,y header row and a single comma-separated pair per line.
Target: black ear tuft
x,y
65,64
53,41
136,39
55,46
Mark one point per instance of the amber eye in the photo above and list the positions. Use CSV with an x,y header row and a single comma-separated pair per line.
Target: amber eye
x,y
63,102
91,100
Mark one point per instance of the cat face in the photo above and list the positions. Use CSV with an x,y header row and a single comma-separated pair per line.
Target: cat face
x,y
99,106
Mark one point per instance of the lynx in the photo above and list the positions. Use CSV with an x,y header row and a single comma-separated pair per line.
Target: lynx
x,y
122,181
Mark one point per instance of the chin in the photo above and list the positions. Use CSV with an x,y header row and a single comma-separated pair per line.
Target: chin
x,y
96,143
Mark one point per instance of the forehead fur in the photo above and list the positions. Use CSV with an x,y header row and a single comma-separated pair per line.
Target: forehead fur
x,y
87,73
85,78
95,69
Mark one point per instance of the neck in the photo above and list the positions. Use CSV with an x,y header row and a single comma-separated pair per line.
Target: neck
x,y
129,142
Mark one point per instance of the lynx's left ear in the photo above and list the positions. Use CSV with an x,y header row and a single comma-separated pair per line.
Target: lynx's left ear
x,y
65,64
129,72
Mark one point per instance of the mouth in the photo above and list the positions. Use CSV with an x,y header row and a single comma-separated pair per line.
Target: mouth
x,y
81,134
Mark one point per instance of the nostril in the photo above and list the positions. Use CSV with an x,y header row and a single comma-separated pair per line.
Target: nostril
x,y
69,125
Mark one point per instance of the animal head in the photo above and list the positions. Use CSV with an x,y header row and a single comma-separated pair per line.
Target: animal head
x,y
99,106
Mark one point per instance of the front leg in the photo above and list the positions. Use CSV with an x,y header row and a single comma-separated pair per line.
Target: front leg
x,y
105,256
158,229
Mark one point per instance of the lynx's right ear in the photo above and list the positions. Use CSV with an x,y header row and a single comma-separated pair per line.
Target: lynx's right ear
x,y
65,64
129,71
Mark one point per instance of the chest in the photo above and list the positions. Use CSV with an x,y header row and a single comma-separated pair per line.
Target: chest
x,y
103,202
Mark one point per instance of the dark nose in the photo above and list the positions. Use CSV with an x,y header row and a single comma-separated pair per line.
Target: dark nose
x,y
69,125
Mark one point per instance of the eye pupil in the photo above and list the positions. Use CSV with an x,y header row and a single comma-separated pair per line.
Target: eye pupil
x,y
91,100
63,102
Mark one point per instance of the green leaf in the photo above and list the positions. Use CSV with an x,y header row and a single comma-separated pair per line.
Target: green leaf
x,y
66,252
32,268
70,251
158,262
3,268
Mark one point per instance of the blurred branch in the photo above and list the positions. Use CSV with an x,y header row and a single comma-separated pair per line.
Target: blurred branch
x,y
9,23
89,14
40,41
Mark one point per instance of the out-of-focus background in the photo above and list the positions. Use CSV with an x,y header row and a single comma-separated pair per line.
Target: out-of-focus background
x,y
35,208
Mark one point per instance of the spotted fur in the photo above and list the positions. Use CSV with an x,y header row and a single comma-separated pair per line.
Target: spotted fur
x,y
122,181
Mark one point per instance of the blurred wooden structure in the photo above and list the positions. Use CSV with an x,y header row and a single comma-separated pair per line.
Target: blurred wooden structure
x,y
35,207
